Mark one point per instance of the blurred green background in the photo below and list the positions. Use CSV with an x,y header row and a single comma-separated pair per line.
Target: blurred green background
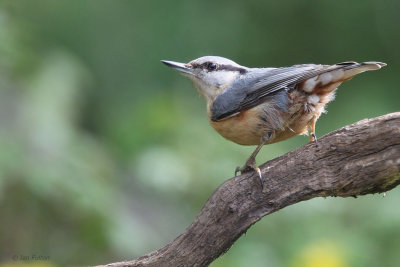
x,y
106,154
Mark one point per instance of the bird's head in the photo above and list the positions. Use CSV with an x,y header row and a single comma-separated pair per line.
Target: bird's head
x,y
210,74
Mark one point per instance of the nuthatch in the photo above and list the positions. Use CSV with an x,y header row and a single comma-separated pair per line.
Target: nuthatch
x,y
258,106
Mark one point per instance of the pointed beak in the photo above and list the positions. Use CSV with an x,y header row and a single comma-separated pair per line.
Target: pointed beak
x,y
178,66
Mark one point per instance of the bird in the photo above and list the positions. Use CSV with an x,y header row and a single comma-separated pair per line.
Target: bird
x,y
259,106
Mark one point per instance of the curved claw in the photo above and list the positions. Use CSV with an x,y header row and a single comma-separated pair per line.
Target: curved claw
x,y
259,173
244,169
250,167
237,170
313,138
259,176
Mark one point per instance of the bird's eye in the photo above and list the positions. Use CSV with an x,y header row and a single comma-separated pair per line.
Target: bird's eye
x,y
211,66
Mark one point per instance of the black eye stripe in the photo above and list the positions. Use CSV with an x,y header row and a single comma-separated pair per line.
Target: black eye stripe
x,y
232,68
212,66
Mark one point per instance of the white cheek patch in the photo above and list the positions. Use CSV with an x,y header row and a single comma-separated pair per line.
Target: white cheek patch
x,y
310,84
211,84
221,79
313,99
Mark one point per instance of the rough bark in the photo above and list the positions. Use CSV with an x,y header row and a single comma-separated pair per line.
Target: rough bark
x,y
362,158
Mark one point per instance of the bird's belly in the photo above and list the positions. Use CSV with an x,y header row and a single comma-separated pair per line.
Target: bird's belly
x,y
245,128
248,127
249,133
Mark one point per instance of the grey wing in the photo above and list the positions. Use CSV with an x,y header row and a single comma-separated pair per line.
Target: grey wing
x,y
254,87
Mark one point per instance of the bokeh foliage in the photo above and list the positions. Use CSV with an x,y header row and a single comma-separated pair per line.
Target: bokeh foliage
x,y
105,154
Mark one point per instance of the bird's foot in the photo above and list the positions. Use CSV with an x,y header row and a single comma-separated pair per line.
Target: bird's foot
x,y
313,138
250,165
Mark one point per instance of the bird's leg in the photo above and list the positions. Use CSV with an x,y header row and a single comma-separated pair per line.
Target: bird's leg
x,y
250,164
311,124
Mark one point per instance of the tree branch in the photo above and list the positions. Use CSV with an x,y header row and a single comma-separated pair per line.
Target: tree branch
x,y
362,158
